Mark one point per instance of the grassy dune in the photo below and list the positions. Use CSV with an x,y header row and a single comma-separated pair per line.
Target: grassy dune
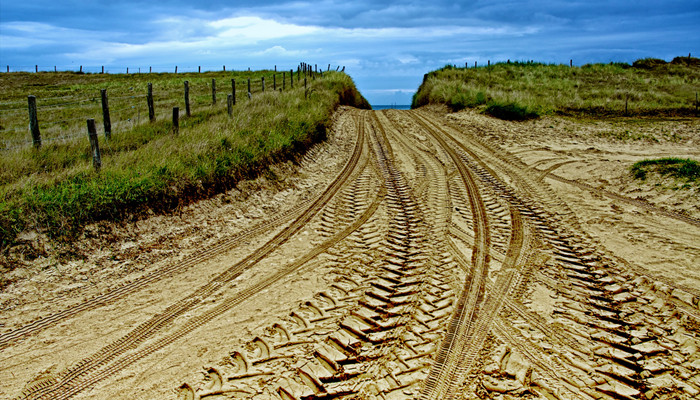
x,y
55,190
519,91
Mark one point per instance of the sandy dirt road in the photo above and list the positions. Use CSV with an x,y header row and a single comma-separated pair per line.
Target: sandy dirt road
x,y
415,255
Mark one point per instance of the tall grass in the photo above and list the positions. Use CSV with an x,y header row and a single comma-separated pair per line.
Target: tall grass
x,y
66,99
55,189
531,89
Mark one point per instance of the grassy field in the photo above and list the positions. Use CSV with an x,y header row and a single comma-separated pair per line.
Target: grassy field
x,y
519,91
55,190
66,99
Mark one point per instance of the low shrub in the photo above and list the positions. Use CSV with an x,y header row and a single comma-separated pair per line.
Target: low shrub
x,y
510,111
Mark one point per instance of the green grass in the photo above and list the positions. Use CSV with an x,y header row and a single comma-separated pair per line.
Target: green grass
x,y
55,190
686,171
524,90
66,99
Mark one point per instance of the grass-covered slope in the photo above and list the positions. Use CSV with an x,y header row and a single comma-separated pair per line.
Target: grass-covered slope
x,y
55,189
518,91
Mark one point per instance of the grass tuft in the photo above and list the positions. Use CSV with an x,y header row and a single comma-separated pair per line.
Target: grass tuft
x,y
510,111
685,170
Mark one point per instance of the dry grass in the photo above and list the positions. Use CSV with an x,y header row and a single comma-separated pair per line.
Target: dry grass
x,y
594,89
55,189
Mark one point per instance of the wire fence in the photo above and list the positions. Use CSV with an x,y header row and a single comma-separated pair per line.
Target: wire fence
x,y
117,69
61,118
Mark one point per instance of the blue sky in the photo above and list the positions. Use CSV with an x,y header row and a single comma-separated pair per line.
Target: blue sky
x,y
386,46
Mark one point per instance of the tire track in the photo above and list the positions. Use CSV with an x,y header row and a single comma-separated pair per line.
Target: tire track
x,y
12,337
447,373
598,311
208,316
63,382
415,306
638,203
399,301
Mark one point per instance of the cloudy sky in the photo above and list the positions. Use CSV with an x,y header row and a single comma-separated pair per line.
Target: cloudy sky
x,y
386,46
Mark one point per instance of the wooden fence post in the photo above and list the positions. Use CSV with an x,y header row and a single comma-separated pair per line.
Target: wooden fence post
x,y
200,69
150,70
291,78
229,104
263,83
34,122
274,81
224,68
176,69
329,67
187,98
36,68
103,70
233,90
284,80
176,120
249,88
81,69
105,114
213,91
149,98
127,70
55,69
571,63
8,69
275,68
92,134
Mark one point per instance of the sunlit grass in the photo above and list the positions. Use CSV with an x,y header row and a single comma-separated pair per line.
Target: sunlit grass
x,y
55,189
650,88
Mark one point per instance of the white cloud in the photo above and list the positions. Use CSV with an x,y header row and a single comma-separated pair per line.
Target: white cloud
x,y
407,59
280,51
21,42
256,29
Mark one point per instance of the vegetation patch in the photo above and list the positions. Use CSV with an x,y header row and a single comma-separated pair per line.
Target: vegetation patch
x,y
627,135
510,111
55,189
686,171
524,90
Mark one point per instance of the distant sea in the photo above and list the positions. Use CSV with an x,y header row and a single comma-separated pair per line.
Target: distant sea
x,y
393,106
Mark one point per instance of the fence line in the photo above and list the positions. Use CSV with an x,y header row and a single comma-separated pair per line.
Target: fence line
x,y
128,113
129,70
